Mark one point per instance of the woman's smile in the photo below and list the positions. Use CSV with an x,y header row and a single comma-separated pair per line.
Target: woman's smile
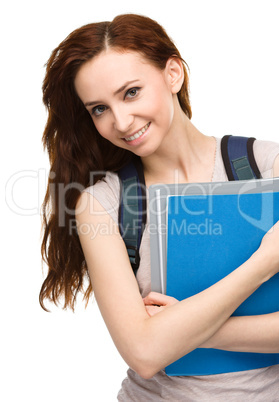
x,y
137,137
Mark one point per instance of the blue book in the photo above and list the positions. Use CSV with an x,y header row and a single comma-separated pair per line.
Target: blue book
x,y
207,238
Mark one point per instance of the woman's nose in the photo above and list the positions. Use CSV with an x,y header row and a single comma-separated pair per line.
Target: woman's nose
x,y
122,121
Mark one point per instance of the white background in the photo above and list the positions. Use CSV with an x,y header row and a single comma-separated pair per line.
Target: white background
x,y
232,50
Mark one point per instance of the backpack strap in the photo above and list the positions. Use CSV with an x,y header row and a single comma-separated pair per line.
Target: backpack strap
x,y
132,209
238,158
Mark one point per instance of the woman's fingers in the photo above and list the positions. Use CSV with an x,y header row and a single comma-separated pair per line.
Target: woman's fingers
x,y
157,302
152,310
154,298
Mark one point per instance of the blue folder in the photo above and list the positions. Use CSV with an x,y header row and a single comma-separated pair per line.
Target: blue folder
x,y
207,238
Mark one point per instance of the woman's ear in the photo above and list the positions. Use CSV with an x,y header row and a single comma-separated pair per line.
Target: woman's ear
x,y
175,74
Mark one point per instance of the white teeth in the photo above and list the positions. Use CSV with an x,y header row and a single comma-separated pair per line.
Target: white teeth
x,y
138,134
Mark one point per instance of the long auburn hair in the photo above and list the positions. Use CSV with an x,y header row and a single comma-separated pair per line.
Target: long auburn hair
x,y
75,148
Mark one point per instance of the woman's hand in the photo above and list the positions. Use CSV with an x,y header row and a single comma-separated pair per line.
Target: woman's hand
x,y
157,302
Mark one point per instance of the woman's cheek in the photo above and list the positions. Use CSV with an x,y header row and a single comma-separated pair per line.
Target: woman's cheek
x,y
101,127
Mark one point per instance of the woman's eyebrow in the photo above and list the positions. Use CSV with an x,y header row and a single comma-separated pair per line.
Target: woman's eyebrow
x,y
122,88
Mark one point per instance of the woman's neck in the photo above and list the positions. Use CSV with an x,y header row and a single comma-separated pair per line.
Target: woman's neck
x,y
185,155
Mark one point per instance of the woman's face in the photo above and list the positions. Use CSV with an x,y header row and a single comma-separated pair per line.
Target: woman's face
x,y
130,100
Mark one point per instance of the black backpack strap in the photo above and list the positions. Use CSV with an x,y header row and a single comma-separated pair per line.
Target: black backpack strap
x,y
132,209
238,158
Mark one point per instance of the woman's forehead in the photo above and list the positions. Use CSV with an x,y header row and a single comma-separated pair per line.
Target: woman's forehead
x,y
112,69
117,61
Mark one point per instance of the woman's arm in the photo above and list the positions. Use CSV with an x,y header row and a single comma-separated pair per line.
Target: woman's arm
x,y
255,334
258,334
146,343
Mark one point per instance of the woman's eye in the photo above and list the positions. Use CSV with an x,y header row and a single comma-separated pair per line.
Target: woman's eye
x,y
132,93
98,110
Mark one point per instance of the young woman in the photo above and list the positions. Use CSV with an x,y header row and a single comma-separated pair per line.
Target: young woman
x,y
118,91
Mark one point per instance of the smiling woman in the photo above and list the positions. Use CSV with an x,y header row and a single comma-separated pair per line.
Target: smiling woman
x,y
132,117
117,92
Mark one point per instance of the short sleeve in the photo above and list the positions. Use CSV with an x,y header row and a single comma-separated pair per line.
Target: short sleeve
x,y
265,153
107,193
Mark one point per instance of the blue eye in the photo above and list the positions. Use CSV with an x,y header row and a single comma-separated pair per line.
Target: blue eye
x,y
132,93
98,110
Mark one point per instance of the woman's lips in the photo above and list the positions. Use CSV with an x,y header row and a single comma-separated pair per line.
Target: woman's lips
x,y
137,135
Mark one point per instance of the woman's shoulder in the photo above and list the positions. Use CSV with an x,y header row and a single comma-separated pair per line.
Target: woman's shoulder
x,y
108,184
107,192
265,153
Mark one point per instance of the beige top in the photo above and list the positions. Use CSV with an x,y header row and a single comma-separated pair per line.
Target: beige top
x,y
253,385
